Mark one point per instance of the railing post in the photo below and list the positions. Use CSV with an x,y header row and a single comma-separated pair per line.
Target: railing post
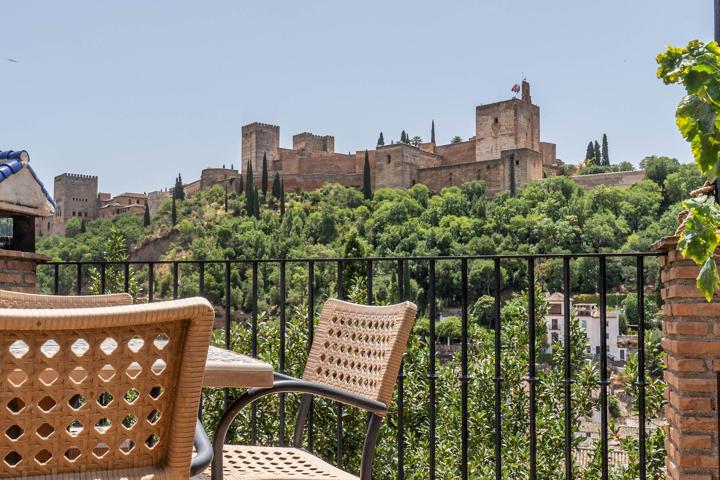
x,y
691,340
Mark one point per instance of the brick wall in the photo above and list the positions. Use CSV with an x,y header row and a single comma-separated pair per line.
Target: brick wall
x,y
17,270
691,340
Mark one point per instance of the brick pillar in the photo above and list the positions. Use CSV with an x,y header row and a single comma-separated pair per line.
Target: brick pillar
x,y
691,340
18,270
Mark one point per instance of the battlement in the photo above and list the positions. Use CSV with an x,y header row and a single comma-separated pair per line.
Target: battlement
x,y
261,126
76,176
314,143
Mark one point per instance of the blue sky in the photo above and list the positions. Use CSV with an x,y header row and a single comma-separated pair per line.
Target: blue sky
x,y
137,91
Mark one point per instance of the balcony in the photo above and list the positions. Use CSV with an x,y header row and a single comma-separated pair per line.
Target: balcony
x,y
503,404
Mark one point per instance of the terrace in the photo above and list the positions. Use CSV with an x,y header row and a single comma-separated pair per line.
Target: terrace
x,y
489,402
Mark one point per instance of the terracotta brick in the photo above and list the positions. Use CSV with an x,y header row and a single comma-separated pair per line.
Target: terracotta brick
x,y
690,442
14,278
681,291
695,461
695,347
680,327
685,364
30,278
684,384
690,404
700,309
680,273
25,266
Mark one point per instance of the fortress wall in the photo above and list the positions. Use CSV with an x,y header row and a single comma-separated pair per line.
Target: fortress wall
x,y
309,182
457,153
612,179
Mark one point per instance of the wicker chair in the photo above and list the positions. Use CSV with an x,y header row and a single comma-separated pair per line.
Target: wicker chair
x,y
103,393
10,299
355,359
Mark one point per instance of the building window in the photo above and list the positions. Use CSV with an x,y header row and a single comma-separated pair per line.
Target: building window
x,y
555,337
497,120
583,324
388,159
554,324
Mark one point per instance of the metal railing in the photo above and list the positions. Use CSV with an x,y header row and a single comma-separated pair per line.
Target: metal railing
x,y
431,308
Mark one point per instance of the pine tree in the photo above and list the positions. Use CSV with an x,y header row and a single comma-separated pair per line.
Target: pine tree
x,y
264,178
276,186
590,153
146,216
367,184
282,198
605,151
381,140
432,132
598,156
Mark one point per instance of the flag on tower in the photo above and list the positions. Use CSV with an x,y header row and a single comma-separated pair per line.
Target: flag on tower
x,y
516,88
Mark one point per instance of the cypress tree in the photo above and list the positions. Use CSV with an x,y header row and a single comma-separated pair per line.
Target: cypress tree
x,y
367,184
83,228
432,132
264,178
249,179
590,152
256,208
282,198
173,213
381,140
179,189
598,156
605,152
241,185
276,186
403,137
146,216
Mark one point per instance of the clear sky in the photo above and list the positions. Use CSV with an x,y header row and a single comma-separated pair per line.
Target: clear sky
x,y
137,91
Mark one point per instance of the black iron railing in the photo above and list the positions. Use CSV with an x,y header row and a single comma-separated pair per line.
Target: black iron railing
x,y
400,264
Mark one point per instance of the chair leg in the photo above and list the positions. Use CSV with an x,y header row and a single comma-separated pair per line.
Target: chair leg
x,y
366,463
302,416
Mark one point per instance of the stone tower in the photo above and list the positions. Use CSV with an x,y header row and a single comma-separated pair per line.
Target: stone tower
x,y
259,139
507,125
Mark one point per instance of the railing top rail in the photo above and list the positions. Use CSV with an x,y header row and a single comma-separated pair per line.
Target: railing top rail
x,y
374,259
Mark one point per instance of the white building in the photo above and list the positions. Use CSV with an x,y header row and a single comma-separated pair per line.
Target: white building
x,y
588,314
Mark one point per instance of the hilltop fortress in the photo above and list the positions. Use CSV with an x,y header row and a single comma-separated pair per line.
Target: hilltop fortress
x,y
506,153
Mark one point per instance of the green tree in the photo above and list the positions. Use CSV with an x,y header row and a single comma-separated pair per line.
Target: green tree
x,y
596,153
282,198
456,139
249,192
658,168
590,154
114,249
381,140
264,178
432,132
146,216
367,181
605,150
174,210
416,140
179,190
679,184
276,186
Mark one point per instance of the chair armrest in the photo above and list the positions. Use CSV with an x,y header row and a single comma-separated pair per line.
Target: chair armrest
x,y
284,384
204,451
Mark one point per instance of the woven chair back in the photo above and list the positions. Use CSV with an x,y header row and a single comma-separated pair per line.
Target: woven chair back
x,y
10,299
359,348
107,392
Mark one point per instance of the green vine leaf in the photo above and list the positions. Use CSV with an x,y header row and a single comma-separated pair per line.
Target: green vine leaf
x,y
707,281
